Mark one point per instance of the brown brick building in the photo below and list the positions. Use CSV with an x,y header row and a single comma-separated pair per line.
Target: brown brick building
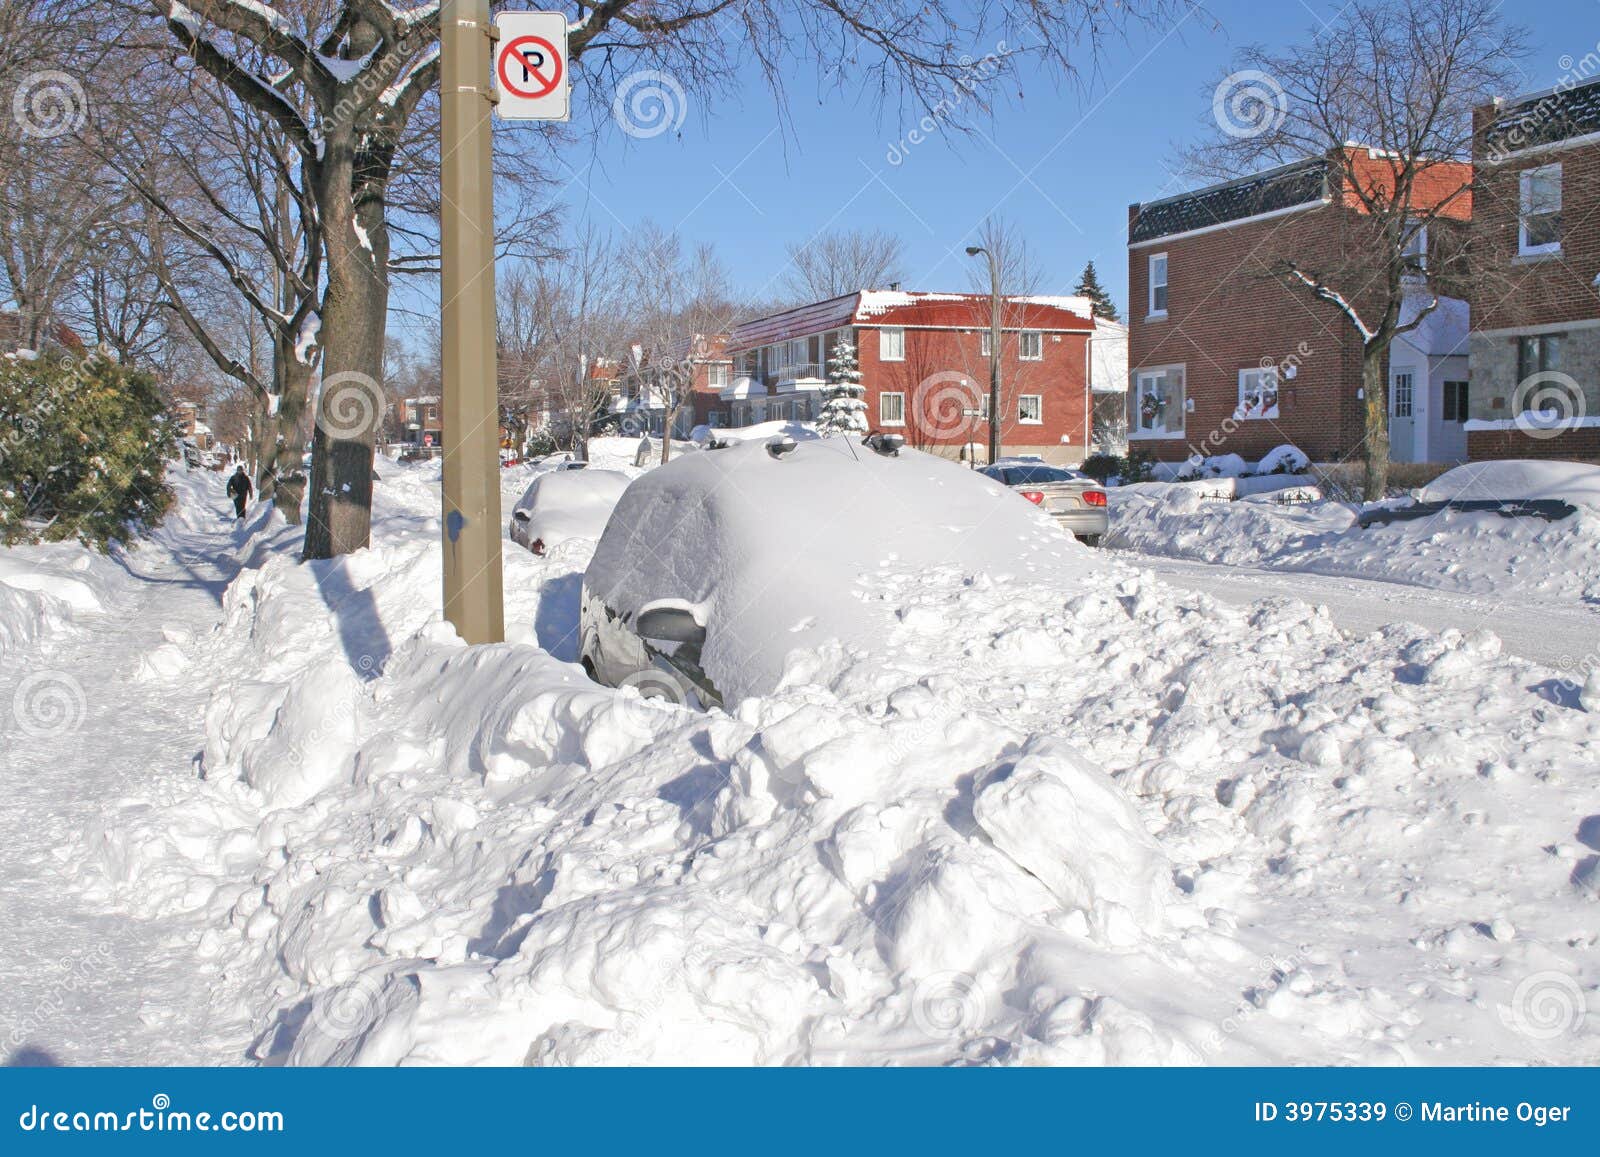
x,y
1536,248
1225,358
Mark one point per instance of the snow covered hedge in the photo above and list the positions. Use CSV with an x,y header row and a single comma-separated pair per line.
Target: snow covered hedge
x,y
83,448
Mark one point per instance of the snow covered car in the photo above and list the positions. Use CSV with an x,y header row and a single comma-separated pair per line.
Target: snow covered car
x,y
719,566
563,505
1071,497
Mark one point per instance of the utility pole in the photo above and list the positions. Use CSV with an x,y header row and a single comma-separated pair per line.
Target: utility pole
x,y
474,601
994,348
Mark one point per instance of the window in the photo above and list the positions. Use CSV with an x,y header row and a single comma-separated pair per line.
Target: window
x,y
1158,285
1539,224
984,344
1400,396
1538,355
717,376
1030,409
1158,403
1415,254
892,344
1030,345
891,409
717,419
1455,401
1258,393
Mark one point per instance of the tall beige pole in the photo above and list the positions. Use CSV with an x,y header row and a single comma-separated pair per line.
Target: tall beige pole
x,y
473,597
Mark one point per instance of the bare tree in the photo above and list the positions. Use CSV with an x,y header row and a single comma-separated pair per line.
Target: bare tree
x,y
843,261
1399,78
1006,277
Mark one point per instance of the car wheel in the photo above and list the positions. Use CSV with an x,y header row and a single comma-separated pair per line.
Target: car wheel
x,y
1089,539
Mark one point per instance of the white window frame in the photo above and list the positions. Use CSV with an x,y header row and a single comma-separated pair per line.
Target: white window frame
x,y
1022,403
883,408
1250,378
1136,430
1525,181
718,375
1410,379
1151,288
1022,345
983,342
892,351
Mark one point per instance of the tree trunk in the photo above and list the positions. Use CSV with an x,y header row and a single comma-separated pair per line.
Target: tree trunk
x,y
1375,480
287,468
351,403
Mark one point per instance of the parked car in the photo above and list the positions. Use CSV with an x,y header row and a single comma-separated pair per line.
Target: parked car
x,y
1071,497
565,504
718,566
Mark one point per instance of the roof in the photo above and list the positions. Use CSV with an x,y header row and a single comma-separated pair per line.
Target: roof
x,y
1544,118
886,307
1443,332
1287,187
57,335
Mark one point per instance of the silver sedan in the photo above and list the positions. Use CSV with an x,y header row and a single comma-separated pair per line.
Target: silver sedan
x,y
1074,499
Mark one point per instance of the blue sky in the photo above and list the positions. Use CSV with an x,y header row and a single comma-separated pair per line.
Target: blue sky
x,y
1063,162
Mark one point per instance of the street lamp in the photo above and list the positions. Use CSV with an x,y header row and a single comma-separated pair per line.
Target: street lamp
x,y
994,349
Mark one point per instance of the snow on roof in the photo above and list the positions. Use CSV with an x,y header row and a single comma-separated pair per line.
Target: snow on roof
x,y
1443,332
897,307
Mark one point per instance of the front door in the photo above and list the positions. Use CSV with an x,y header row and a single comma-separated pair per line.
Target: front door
x,y
1402,416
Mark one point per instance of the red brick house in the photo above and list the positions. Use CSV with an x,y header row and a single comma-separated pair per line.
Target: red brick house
x,y
924,361
1224,357
701,361
1535,347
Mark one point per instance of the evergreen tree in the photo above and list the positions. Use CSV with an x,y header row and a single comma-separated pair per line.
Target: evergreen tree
x,y
1089,286
844,410
83,450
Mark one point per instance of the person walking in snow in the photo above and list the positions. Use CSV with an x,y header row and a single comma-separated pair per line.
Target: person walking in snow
x,y
239,489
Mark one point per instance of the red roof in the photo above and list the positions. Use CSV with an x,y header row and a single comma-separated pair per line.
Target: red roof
x,y
913,310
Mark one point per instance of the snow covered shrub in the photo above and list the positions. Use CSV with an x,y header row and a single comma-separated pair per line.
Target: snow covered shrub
x,y
83,447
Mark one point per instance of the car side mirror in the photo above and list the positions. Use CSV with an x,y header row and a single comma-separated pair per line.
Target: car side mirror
x,y
520,515
669,625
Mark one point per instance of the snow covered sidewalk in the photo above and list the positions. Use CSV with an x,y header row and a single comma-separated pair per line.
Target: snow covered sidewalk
x,y
99,707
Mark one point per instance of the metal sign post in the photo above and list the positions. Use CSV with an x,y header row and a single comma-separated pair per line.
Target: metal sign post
x,y
474,601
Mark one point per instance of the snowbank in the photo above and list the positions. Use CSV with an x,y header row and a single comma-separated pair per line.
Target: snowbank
x,y
1070,817
1474,553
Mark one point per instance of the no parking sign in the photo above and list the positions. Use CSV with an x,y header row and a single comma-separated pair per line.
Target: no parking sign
x,y
530,66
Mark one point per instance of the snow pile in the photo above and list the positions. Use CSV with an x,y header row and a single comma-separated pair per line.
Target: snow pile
x,y
1066,817
1473,553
